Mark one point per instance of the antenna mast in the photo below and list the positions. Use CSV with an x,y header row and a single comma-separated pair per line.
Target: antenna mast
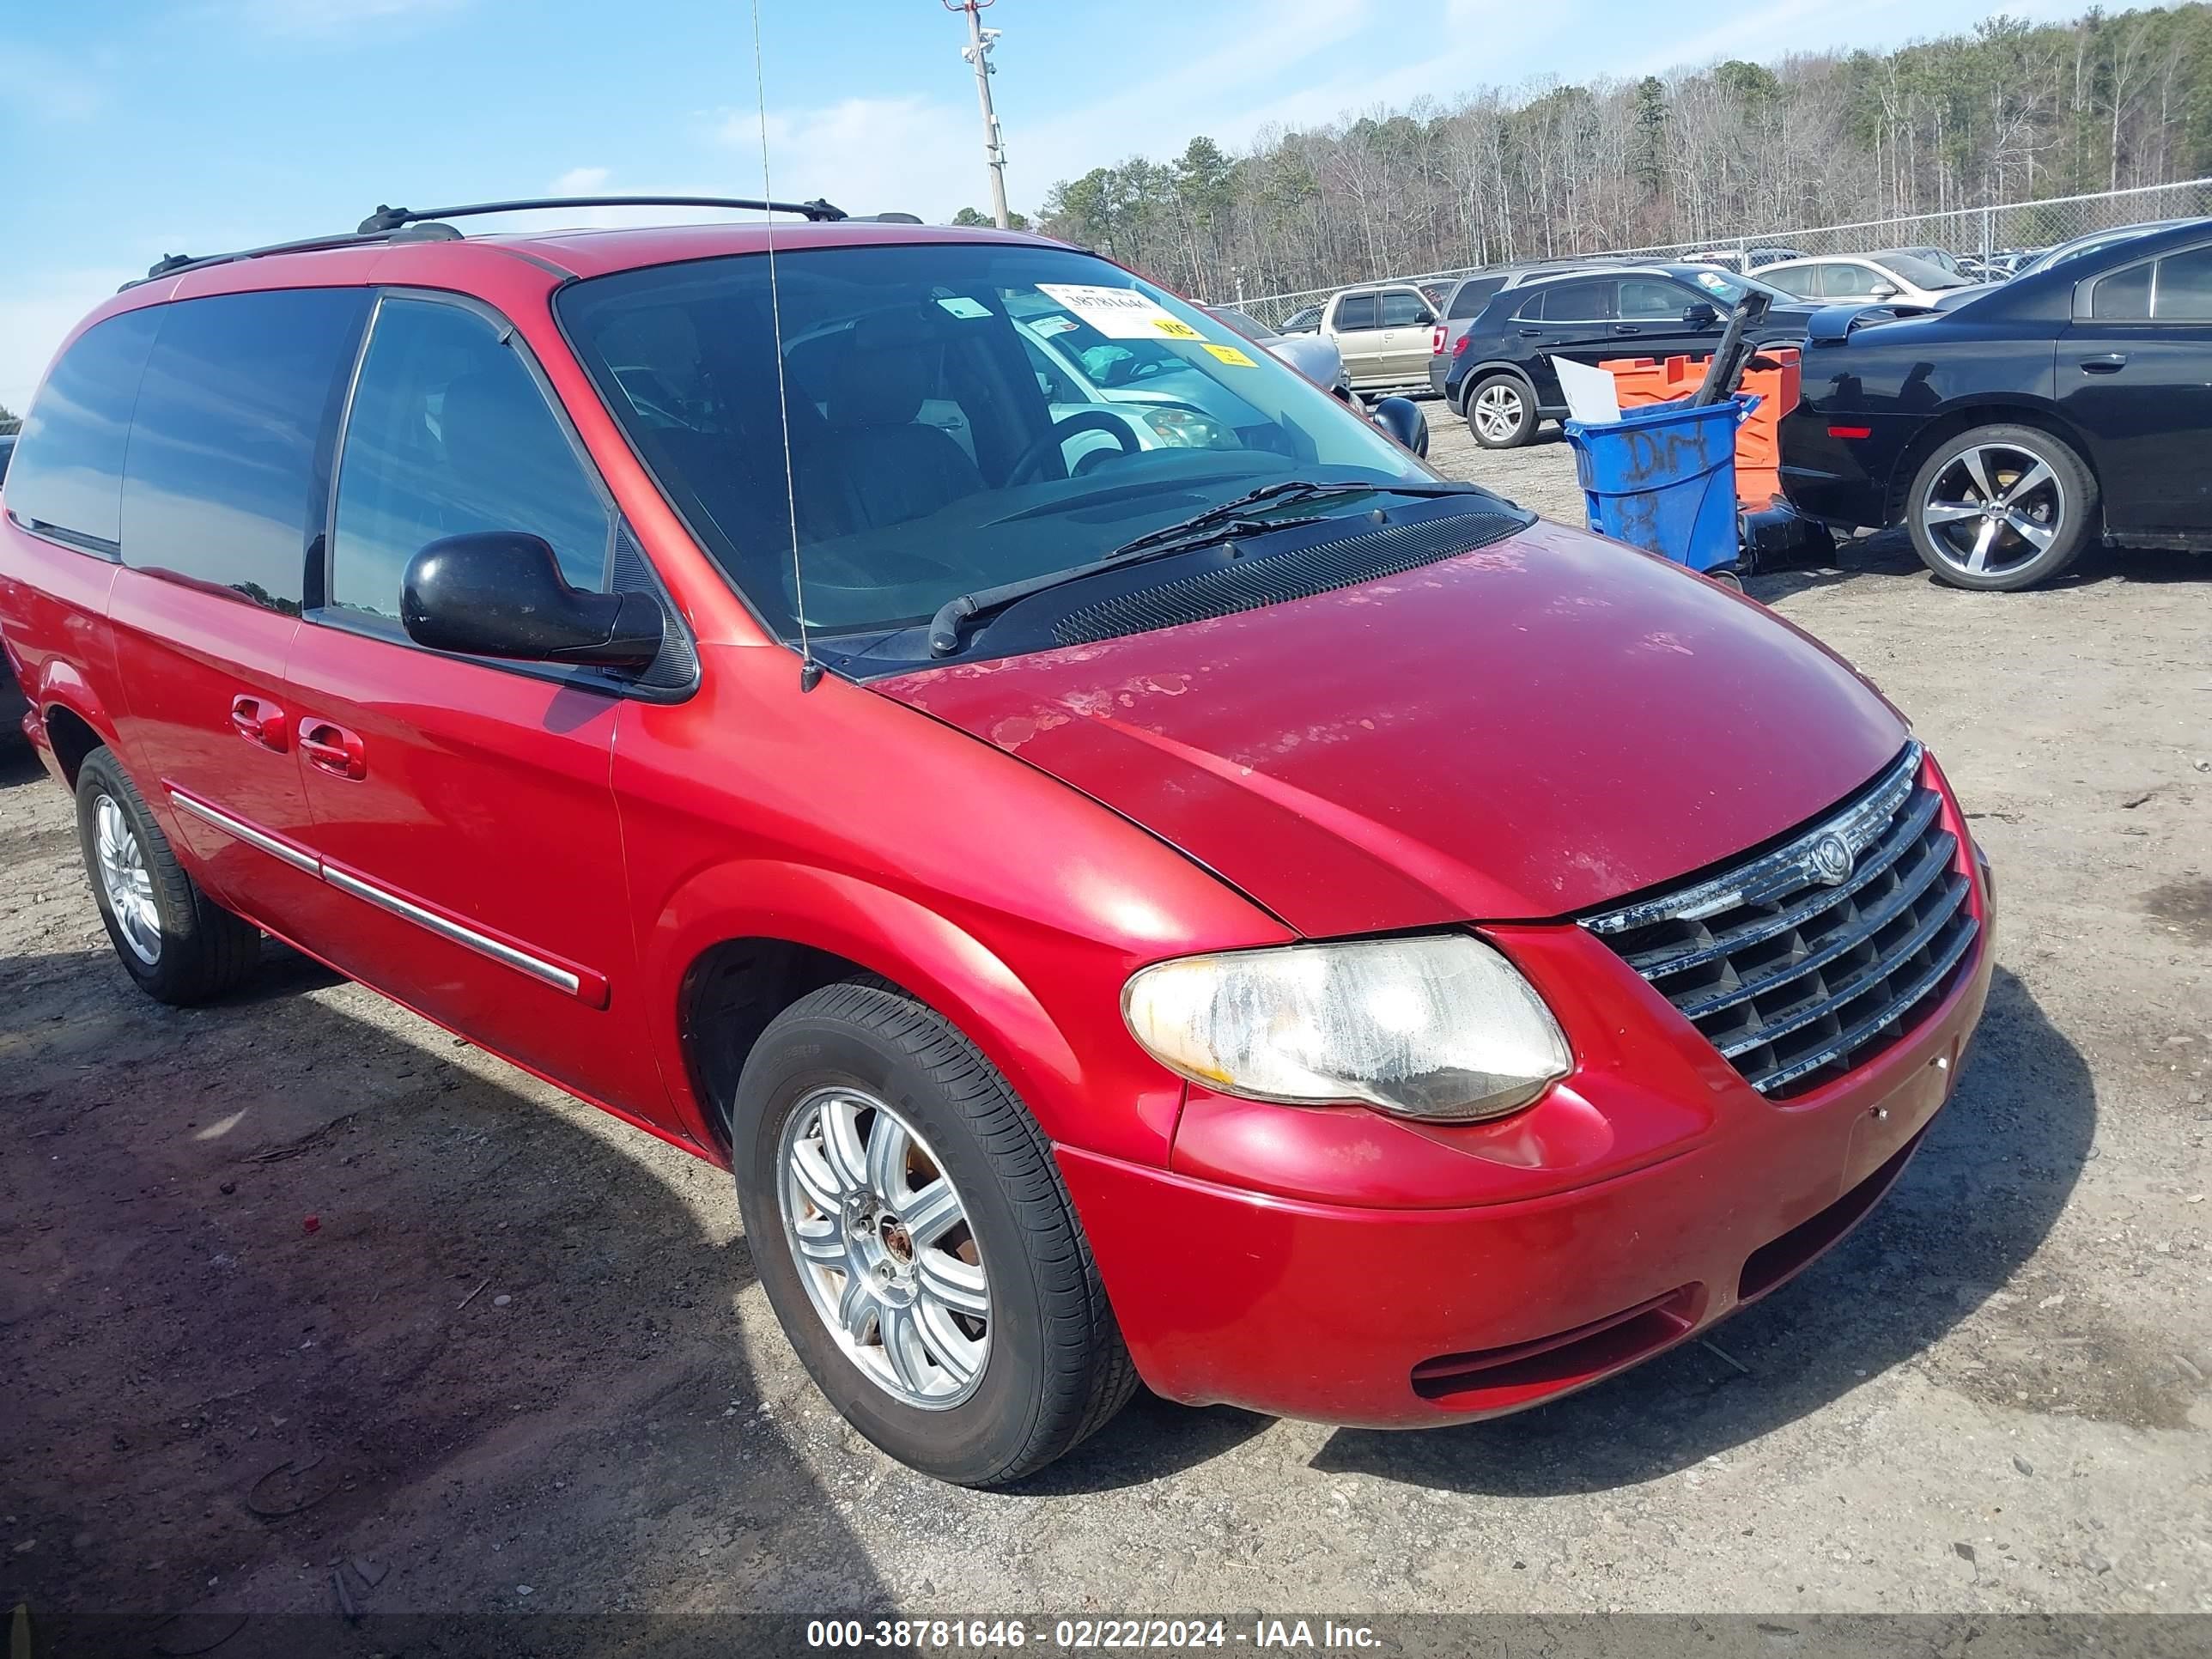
x,y
978,52
810,672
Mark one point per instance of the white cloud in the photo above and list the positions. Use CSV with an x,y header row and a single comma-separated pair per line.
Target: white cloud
x,y
913,155
582,181
35,313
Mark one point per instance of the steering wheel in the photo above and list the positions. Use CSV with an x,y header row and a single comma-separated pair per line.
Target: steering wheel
x,y
1026,464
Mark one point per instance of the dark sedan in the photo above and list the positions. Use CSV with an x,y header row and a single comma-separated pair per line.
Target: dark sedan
x,y
1501,376
2072,405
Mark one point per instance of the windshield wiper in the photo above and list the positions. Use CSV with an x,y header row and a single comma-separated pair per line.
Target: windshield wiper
x,y
1215,524
1288,489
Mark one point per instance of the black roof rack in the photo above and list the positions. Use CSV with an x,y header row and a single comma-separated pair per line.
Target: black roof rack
x,y
391,224
391,218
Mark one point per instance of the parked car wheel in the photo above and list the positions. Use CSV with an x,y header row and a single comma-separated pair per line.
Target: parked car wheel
x,y
2002,508
911,1230
179,944
1501,413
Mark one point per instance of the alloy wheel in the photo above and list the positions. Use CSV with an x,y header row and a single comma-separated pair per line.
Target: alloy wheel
x,y
883,1247
1497,412
125,881
1993,509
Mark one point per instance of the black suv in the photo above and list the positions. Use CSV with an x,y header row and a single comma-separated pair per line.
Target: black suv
x,y
1501,376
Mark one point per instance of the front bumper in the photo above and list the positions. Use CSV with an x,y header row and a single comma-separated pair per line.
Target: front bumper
x,y
1411,1309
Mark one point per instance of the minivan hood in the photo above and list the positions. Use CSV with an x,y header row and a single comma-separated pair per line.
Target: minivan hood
x,y
1519,732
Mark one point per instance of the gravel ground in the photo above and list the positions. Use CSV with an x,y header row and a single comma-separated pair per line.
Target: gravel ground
x,y
300,1278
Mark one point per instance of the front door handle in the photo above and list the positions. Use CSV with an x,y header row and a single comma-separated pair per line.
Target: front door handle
x,y
2110,362
336,750
259,721
1627,328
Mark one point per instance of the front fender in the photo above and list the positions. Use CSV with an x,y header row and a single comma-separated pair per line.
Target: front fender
x,y
948,968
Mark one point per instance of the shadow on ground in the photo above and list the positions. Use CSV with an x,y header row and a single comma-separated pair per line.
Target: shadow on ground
x,y
292,1291
1889,553
19,762
1988,1183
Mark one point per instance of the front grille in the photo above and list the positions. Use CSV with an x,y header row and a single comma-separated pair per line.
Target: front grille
x,y
1810,958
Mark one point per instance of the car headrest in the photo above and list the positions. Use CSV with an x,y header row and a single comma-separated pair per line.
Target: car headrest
x,y
885,372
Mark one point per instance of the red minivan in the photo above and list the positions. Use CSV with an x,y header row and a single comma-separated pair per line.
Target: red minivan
x,y
1138,876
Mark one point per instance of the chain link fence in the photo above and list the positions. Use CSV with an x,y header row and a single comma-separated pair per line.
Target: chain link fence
x,y
1977,232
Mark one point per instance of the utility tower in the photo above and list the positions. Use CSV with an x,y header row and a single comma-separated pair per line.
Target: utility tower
x,y
978,52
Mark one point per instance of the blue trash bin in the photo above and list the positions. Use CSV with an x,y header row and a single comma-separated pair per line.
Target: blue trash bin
x,y
1663,477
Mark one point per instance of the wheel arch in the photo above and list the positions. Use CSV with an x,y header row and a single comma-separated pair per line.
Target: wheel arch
x,y
1964,417
1483,371
741,942
71,737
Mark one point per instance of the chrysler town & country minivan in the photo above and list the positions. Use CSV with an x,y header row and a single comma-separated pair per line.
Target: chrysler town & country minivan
x,y
1244,913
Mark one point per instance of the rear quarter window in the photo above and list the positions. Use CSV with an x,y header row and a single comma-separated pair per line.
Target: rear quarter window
x,y
1469,298
224,487
66,480
2124,296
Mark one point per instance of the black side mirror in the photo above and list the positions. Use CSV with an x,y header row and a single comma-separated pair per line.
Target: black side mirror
x,y
1402,419
501,593
1699,315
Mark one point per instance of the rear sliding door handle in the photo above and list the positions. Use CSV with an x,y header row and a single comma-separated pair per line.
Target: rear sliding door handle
x,y
334,749
259,721
2110,362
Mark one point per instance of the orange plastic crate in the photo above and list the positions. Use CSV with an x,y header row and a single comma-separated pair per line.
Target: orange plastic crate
x,y
1774,376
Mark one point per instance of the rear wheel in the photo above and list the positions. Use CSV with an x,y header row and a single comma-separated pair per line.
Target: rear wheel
x,y
2002,508
179,944
911,1230
1500,412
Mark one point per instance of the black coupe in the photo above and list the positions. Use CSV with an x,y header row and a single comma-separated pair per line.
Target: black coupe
x,y
2069,405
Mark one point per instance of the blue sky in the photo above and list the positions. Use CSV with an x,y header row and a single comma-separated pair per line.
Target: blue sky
x,y
129,129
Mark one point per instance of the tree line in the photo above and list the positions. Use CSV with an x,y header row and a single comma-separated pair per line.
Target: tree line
x,y
2011,112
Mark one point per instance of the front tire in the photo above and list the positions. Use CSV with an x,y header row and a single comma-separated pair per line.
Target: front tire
x,y
176,942
1501,412
913,1234
2002,508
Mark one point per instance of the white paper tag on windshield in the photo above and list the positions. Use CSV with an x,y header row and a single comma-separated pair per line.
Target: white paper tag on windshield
x,y
1119,313
961,306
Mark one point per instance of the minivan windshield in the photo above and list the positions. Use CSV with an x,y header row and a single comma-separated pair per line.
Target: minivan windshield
x,y
961,416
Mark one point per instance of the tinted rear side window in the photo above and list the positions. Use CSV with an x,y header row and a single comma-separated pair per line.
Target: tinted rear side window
x,y
1356,311
1578,302
2185,287
2124,296
1803,280
67,478
1469,298
223,486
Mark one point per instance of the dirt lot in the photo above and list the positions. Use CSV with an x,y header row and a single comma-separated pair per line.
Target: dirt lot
x,y
300,1279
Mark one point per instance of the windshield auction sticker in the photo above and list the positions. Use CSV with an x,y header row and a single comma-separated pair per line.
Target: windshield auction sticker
x,y
1119,313
1231,355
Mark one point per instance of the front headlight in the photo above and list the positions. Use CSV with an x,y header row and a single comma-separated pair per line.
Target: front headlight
x,y
1440,1028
